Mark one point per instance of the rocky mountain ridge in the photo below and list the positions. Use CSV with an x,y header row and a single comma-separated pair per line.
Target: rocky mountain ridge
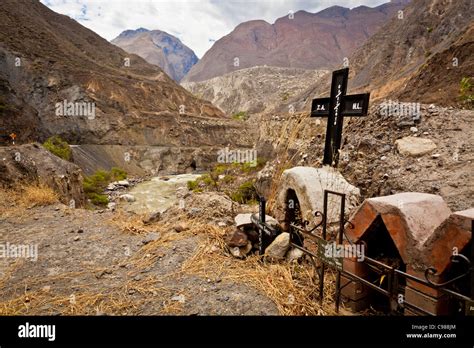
x,y
159,48
301,40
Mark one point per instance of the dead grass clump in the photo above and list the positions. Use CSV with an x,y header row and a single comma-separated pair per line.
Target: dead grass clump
x,y
37,195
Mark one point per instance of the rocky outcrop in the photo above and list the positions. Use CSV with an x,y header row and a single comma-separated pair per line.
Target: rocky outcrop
x,y
254,90
159,48
26,164
302,40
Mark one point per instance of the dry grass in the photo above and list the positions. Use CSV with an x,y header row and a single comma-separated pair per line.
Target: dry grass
x,y
37,195
290,286
14,200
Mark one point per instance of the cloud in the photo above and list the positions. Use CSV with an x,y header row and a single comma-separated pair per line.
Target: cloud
x,y
197,23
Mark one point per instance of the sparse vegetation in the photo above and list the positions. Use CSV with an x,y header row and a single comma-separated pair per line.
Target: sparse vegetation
x,y
465,90
226,175
285,96
95,184
245,193
58,147
241,116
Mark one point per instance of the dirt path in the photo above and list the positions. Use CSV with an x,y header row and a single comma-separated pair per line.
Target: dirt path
x,y
88,265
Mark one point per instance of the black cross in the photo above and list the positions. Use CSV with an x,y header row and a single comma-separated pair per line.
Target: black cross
x,y
335,108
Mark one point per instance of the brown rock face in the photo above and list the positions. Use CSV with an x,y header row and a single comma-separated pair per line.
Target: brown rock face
x,y
308,40
32,163
413,56
159,48
46,58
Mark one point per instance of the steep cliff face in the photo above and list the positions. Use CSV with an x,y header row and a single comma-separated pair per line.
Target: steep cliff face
x,y
254,90
47,58
305,40
159,48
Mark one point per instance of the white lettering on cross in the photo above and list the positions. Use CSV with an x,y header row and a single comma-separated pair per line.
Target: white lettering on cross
x,y
336,108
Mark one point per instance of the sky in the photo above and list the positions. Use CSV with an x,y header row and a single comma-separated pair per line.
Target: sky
x,y
197,23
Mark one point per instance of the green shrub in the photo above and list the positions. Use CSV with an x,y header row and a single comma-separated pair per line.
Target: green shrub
x,y
118,174
58,147
241,116
246,193
465,91
98,199
95,184
192,185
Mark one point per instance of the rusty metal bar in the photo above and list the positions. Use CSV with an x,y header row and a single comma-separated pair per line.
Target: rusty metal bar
x,y
323,266
340,237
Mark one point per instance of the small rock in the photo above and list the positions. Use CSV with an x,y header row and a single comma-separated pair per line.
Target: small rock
x,y
179,298
221,224
180,227
278,248
56,209
111,205
124,183
153,217
127,197
385,148
80,230
436,155
237,239
195,211
46,288
294,255
245,220
111,187
151,237
137,278
383,158
76,238
413,129
242,251
411,146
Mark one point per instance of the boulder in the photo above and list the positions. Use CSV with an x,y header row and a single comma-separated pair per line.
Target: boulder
x,y
308,184
414,146
278,248
32,163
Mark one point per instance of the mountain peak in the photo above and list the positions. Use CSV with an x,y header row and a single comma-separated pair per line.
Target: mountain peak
x,y
159,48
